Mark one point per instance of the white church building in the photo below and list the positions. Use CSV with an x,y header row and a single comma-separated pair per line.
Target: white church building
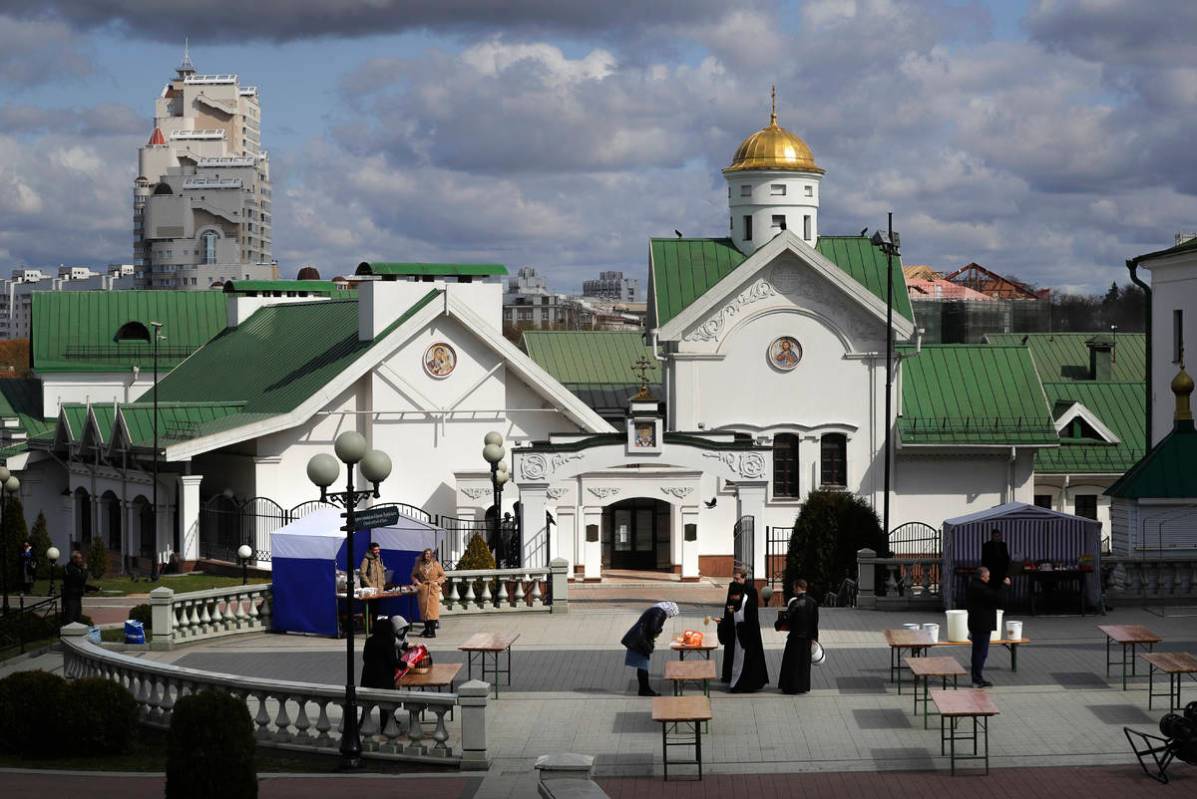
x,y
764,368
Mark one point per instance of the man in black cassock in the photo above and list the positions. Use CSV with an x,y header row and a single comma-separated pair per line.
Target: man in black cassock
x,y
740,631
996,557
802,618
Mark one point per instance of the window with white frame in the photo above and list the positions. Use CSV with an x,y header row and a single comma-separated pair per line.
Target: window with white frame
x,y
808,190
806,227
779,223
208,247
777,189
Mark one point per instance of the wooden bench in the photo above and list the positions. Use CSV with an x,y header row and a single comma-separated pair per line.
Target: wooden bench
x,y
928,667
953,706
918,642
706,648
680,672
675,711
1129,635
1176,665
479,645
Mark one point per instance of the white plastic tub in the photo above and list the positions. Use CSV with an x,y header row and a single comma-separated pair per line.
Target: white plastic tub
x,y
932,630
957,625
1013,630
996,635
915,627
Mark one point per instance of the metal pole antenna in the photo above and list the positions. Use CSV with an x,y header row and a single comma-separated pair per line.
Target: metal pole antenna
x,y
4,546
889,364
351,744
154,562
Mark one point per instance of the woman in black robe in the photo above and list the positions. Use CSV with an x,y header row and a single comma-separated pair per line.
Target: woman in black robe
x,y
380,656
744,654
802,619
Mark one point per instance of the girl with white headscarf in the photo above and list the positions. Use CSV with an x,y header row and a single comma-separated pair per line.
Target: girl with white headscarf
x,y
641,638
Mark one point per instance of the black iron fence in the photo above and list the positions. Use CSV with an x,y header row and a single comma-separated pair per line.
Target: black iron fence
x,y
915,539
777,546
743,535
25,624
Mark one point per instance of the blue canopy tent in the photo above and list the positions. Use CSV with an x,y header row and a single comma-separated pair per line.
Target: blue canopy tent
x,y
1031,533
305,557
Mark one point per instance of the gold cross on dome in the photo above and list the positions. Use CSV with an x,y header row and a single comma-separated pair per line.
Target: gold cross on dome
x,y
640,369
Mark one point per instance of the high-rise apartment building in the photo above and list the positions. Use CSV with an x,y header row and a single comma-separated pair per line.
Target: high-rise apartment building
x,y
201,202
612,286
16,293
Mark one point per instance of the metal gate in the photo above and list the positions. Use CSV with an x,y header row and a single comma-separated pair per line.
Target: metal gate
x,y
915,539
743,538
777,547
226,524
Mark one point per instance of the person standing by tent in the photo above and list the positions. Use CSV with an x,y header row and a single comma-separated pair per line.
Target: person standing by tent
x,y
74,585
802,620
996,557
427,576
372,570
640,639
982,600
739,631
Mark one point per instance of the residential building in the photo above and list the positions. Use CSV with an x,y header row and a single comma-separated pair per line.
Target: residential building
x,y
613,286
202,200
16,301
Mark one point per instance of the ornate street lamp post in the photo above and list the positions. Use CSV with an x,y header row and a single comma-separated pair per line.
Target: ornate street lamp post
x,y
136,331
244,553
889,242
323,471
52,556
11,485
493,453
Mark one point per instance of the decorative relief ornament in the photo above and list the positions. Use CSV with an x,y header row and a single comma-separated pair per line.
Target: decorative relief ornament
x,y
750,464
536,466
603,493
681,492
440,360
784,353
710,329
557,493
475,493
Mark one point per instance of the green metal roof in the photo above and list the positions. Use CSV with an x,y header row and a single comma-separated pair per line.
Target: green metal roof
x,y
1065,356
12,450
1119,406
286,287
73,330
1166,472
22,399
591,357
965,394
395,269
271,363
685,269
177,421
1187,246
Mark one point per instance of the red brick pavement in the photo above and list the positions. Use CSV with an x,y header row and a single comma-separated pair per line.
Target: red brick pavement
x,y
1115,782
97,785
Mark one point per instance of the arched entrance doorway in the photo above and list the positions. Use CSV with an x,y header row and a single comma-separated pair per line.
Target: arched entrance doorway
x,y
636,535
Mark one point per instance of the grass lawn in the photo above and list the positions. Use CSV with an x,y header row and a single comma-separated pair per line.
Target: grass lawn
x,y
149,754
123,586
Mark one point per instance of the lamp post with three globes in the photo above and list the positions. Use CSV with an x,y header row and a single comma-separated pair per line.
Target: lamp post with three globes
x,y
10,485
493,452
323,470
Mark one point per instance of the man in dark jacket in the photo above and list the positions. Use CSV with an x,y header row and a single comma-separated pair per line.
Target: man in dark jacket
x,y
996,557
74,585
983,601
802,617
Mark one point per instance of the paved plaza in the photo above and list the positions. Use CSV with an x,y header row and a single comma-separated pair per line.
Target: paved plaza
x,y
571,692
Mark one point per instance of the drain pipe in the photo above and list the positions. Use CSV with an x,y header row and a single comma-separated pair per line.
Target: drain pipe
x,y
665,380
1132,266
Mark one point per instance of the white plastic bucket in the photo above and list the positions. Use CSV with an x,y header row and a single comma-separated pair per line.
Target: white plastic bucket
x,y
915,627
1013,630
957,625
996,635
933,631
818,655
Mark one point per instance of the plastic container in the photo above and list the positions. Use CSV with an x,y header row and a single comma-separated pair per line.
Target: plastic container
x,y
996,635
1013,630
957,625
818,655
134,632
915,627
932,630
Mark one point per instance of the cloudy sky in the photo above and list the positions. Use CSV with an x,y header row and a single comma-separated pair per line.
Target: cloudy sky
x,y
1049,139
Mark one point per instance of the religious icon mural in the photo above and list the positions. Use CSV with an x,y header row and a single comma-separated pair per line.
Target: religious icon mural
x,y
646,435
785,353
440,360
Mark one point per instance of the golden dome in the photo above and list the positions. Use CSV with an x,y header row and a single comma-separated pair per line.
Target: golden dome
x,y
774,148
1182,387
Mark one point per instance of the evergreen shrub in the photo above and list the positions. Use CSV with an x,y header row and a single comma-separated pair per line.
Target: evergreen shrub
x,y
211,749
32,718
97,557
832,526
102,716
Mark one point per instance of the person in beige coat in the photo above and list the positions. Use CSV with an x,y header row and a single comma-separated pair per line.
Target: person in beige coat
x,y
372,570
427,577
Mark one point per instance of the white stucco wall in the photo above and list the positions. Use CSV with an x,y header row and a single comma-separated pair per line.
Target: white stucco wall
x,y
762,202
1173,288
930,487
98,388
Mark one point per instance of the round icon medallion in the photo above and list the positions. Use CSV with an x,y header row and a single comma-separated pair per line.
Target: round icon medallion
x,y
784,353
440,360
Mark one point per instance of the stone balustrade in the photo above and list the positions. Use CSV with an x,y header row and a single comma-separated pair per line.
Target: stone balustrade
x,y
506,590
910,582
396,725
1149,581
178,618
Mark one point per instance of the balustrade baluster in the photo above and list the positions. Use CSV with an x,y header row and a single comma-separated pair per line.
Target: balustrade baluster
x,y
440,734
468,597
262,719
264,612
205,616
193,618
504,600
925,581
891,582
369,726
391,731
484,601
168,701
415,728
154,701
537,599
217,622
519,590
302,722
282,720
323,725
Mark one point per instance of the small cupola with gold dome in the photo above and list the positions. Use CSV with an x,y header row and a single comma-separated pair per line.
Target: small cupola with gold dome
x,y
772,185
